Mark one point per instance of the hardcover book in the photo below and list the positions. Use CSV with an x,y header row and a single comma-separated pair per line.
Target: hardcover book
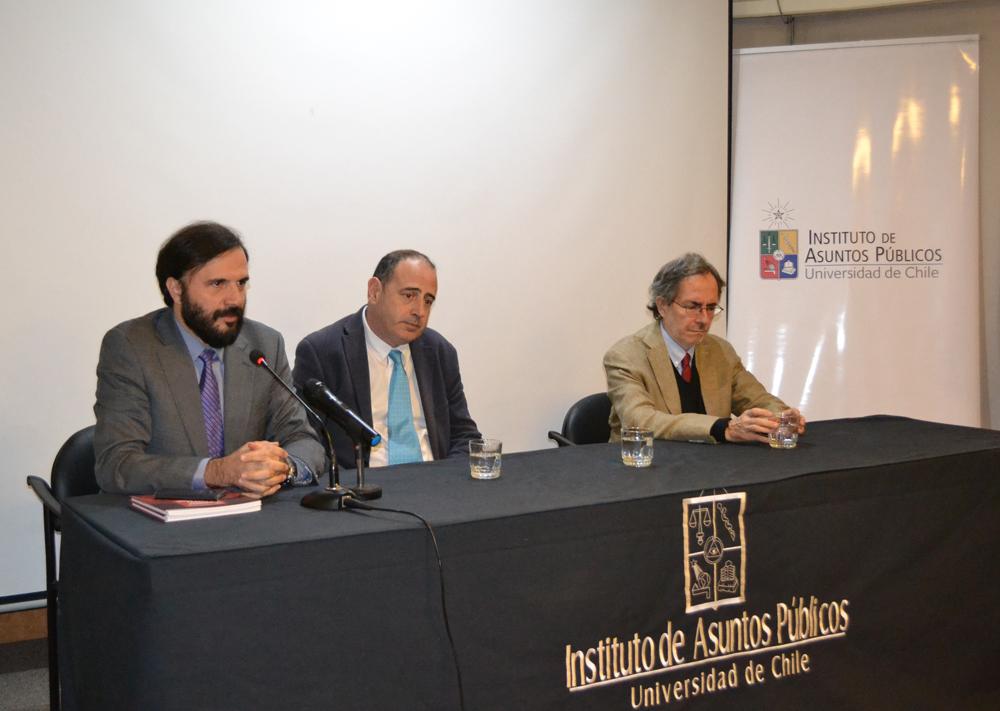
x,y
188,509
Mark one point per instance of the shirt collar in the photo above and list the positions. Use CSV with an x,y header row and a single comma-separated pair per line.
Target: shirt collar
x,y
376,345
195,345
674,349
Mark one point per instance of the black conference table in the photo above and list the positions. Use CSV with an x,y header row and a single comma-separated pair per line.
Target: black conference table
x,y
865,577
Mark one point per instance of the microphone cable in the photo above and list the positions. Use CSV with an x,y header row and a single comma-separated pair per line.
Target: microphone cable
x,y
352,503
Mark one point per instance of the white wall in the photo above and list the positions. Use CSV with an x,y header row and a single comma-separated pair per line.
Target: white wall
x,y
549,155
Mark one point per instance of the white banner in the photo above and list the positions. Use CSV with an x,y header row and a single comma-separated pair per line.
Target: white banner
x,y
854,271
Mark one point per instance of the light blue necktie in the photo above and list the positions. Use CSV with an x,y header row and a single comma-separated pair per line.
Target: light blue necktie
x,y
403,443
210,404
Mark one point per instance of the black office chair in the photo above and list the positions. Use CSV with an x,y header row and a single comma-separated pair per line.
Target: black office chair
x,y
586,422
72,475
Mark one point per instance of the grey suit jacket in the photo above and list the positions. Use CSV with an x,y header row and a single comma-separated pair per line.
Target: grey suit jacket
x,y
643,389
150,429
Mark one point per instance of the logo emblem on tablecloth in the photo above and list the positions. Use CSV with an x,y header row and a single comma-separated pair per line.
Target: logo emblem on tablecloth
x,y
715,554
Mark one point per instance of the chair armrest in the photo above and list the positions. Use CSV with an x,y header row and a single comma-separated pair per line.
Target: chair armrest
x,y
45,495
560,439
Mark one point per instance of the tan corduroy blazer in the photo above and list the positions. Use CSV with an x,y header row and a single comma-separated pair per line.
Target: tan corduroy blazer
x,y
643,389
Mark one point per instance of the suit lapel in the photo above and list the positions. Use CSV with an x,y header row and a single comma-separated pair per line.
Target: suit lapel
x,y
663,369
238,393
422,368
357,365
708,359
179,373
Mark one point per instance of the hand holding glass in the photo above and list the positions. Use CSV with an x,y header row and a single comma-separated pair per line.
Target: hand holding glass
x,y
786,434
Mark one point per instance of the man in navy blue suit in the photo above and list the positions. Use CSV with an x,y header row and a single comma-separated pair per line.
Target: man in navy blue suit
x,y
386,365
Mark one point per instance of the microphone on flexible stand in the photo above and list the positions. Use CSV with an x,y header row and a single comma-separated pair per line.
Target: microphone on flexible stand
x,y
360,432
332,497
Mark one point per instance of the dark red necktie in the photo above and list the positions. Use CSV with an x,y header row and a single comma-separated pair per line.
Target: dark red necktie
x,y
686,368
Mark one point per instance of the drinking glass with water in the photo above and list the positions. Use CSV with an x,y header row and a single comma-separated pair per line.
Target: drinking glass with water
x,y
637,447
484,458
786,435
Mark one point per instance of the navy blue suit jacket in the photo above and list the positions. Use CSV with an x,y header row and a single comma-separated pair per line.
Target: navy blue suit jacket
x,y
338,356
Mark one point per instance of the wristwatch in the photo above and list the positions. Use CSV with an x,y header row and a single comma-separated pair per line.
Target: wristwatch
x,y
291,472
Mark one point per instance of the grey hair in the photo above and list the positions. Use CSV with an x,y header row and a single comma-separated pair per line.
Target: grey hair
x,y
668,280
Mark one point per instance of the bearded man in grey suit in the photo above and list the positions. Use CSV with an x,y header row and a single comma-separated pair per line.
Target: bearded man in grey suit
x,y
179,403
676,379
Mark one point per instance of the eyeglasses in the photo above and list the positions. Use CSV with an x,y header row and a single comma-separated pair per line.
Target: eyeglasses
x,y
693,309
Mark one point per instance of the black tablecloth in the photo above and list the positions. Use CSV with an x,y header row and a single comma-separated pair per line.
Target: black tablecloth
x,y
294,608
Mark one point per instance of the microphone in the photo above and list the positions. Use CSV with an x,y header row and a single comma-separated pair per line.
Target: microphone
x,y
332,498
360,431
260,360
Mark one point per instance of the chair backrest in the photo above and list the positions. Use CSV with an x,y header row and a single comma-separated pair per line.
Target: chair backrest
x,y
586,421
73,468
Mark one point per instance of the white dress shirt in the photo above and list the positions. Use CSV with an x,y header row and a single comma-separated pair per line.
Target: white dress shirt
x,y
379,375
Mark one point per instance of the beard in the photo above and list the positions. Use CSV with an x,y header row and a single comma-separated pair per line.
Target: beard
x,y
202,324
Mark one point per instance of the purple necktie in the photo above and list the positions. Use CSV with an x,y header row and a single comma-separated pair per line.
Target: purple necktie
x,y
210,404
